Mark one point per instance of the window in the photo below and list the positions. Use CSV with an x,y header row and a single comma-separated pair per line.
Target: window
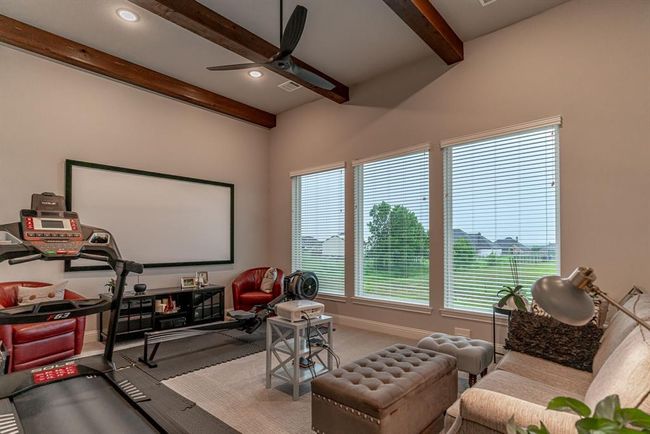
x,y
501,208
392,228
318,227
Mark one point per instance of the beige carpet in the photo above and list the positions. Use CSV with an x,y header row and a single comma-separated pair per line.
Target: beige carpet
x,y
234,392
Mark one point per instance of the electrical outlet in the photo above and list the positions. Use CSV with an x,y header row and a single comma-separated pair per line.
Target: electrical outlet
x,y
462,332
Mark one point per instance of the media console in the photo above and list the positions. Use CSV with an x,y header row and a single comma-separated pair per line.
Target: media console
x,y
138,312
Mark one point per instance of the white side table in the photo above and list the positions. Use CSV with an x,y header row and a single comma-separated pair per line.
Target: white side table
x,y
286,342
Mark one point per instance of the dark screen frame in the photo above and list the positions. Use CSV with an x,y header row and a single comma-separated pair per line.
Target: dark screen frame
x,y
70,164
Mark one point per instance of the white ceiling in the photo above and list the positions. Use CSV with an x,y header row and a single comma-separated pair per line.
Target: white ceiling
x,y
350,40
470,20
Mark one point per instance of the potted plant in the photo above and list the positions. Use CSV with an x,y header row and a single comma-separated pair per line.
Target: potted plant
x,y
111,284
511,296
607,417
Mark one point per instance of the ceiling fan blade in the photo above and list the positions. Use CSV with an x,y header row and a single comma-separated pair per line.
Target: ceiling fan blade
x,y
310,77
293,31
235,67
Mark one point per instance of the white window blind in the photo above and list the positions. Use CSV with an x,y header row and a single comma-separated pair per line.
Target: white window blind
x,y
501,207
392,228
318,227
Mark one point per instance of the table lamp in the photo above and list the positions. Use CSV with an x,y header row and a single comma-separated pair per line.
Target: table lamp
x,y
570,301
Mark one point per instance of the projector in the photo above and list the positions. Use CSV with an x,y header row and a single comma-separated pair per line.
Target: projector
x,y
297,309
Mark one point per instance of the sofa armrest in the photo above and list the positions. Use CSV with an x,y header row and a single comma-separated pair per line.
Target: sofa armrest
x,y
80,327
241,285
493,410
6,336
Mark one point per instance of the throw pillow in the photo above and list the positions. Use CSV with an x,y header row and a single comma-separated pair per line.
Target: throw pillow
x,y
630,294
601,307
31,295
549,339
269,280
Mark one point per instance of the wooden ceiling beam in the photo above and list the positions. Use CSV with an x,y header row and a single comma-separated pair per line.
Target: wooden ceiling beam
x,y
47,44
203,21
423,18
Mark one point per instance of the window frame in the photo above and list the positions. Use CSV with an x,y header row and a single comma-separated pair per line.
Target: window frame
x,y
296,200
358,225
500,133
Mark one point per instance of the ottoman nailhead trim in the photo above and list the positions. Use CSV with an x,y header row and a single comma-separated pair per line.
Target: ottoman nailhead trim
x,y
346,408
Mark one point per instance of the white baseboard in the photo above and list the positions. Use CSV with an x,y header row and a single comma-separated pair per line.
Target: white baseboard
x,y
381,327
389,329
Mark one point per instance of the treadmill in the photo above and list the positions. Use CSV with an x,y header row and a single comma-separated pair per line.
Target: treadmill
x,y
89,394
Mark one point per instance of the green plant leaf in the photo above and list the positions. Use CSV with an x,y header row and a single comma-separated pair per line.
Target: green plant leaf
x,y
518,288
607,408
504,300
503,291
538,430
519,302
571,405
511,426
635,417
597,425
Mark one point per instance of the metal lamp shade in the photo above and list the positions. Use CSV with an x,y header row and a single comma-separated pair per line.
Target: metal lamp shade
x,y
564,301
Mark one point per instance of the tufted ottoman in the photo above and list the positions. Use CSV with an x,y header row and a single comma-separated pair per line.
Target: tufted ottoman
x,y
400,389
472,355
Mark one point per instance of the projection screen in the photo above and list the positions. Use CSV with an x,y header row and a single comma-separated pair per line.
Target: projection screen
x,y
157,219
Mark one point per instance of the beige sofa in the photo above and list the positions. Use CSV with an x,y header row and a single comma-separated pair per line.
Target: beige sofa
x,y
522,385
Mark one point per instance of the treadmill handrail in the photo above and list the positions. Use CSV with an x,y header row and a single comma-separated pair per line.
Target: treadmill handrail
x,y
22,260
53,310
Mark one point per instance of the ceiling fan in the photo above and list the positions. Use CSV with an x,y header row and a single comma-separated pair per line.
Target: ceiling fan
x,y
282,59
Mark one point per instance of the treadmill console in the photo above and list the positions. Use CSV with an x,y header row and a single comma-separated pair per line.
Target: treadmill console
x,y
50,373
52,230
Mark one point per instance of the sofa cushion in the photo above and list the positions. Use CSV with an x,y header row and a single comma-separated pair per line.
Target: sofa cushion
x,y
524,388
255,297
24,333
547,372
516,386
620,327
625,373
30,351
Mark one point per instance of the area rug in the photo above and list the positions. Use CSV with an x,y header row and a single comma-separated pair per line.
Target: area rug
x,y
182,356
235,392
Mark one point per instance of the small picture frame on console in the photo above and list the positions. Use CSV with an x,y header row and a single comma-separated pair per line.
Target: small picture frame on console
x,y
201,278
188,282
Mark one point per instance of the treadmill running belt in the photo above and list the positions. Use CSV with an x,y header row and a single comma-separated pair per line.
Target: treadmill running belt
x,y
77,405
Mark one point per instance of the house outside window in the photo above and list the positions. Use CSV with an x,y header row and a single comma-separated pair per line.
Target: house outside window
x,y
501,214
318,226
392,227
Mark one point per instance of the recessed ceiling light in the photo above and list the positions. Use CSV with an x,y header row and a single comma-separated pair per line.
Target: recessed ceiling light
x,y
255,73
127,15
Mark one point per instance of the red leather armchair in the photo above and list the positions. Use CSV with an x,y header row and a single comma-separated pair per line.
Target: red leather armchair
x,y
246,288
37,344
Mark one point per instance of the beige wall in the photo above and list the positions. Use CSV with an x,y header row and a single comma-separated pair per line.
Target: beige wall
x,y
587,60
50,112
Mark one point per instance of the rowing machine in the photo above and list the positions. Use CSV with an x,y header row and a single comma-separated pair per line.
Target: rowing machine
x,y
300,285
